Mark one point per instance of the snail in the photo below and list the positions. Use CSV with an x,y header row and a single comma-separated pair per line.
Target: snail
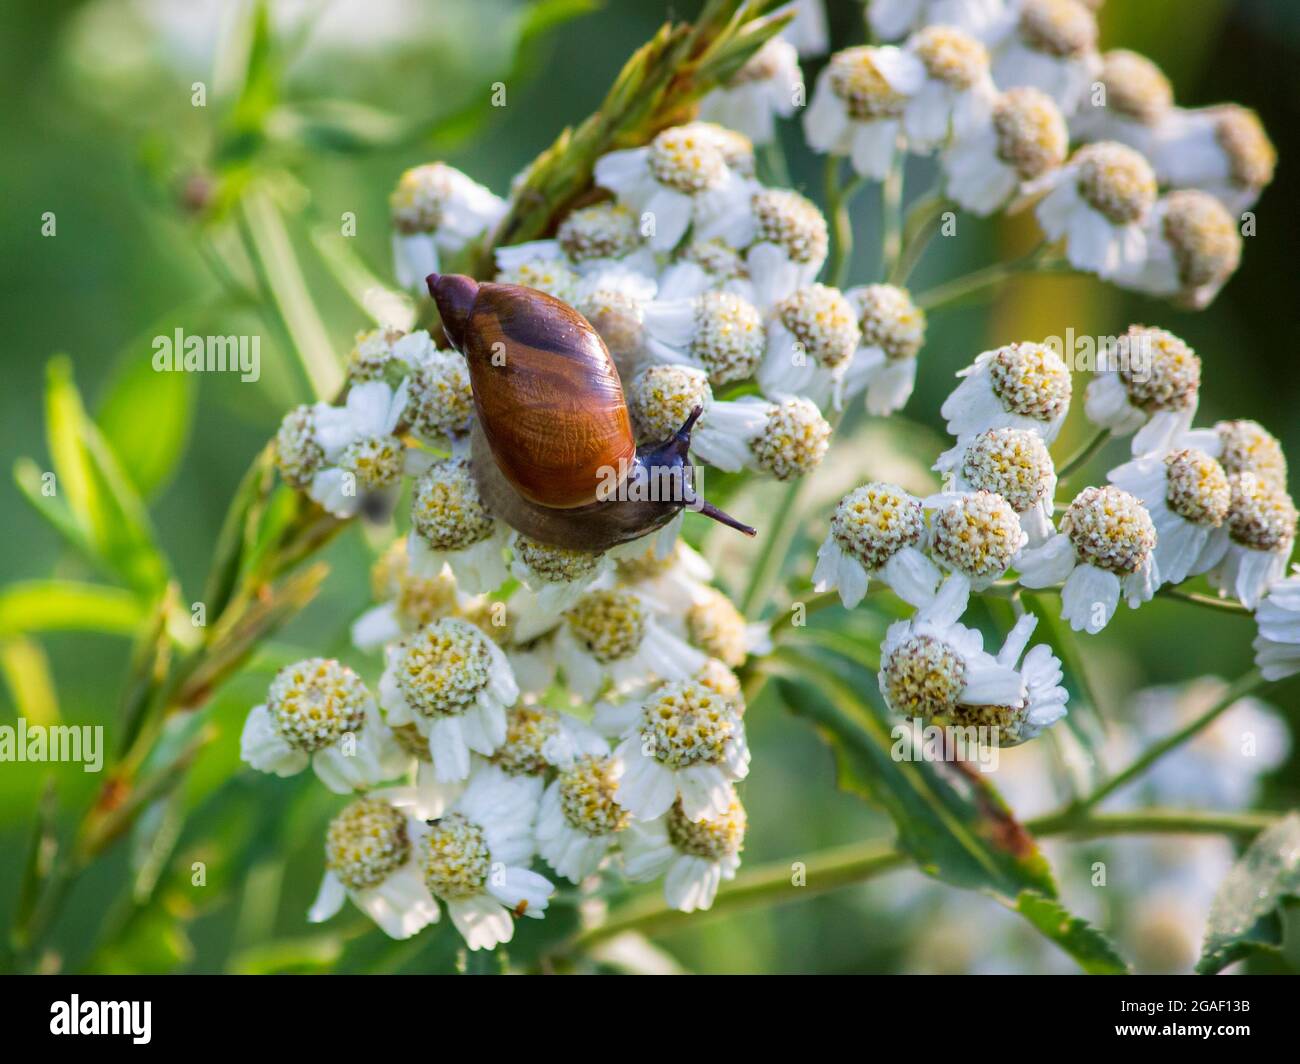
x,y
552,449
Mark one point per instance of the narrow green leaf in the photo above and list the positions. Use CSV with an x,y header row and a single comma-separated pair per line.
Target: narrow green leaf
x,y
948,816
1245,917
146,418
1076,936
65,605
39,864
27,673
30,480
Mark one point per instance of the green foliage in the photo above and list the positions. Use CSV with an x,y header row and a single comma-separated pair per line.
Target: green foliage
x,y
1084,943
146,419
1246,916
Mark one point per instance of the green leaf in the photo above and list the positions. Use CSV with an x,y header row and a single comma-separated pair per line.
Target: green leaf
x,y
65,605
26,671
105,505
1245,916
297,955
146,418
948,816
1088,946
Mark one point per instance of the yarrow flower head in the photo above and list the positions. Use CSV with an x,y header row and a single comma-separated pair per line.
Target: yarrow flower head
x,y
793,440
693,856
1019,386
436,209
1099,204
1250,448
877,531
439,400
451,526
715,626
1222,150
661,398
318,711
1193,248
580,817
1015,464
1150,382
763,89
611,636
1136,98
361,454
454,684
1053,48
1025,140
614,302
892,332
956,98
719,332
475,859
407,601
559,575
1261,525
975,535
522,265
682,740
592,239
811,340
298,453
1105,548
681,178
1187,494
369,859
1277,645
858,104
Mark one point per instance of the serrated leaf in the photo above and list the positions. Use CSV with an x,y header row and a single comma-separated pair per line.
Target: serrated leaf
x,y
1245,915
949,818
146,418
1088,946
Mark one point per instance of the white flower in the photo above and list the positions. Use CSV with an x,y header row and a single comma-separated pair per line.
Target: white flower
x,y
892,331
1136,98
1045,699
537,267
612,636
704,265
614,301
807,31
1099,202
1016,464
758,93
718,332
1106,547
957,95
1221,150
793,440
682,740
661,398
450,526
360,452
1277,646
589,240
891,20
1053,48
930,665
298,453
857,105
1019,386
1250,448
580,816
974,535
1261,531
319,712
1187,494
558,575
1024,140
1192,248
785,239
454,684
369,859
693,856
1148,383
716,626
877,531
435,208
475,858
680,178
811,339
670,582
407,600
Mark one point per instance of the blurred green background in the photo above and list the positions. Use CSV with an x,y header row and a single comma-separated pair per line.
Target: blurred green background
x,y
99,129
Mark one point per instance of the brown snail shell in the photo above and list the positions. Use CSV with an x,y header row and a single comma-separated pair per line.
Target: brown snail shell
x,y
553,443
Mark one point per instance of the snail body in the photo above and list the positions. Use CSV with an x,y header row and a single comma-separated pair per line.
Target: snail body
x,y
553,452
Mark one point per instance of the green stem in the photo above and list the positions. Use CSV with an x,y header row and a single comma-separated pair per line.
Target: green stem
x,y
1208,602
775,883
891,217
980,281
768,565
1252,681
923,221
1081,457
773,156
838,198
